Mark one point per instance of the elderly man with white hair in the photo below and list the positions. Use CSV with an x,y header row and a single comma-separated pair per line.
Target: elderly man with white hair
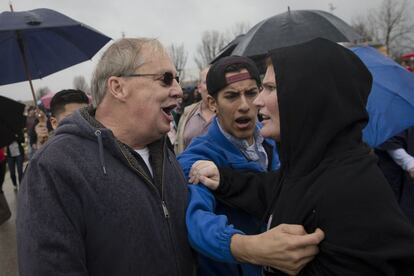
x,y
105,195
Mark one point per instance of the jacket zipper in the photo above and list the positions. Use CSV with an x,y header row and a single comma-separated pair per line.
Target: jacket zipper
x,y
165,208
163,203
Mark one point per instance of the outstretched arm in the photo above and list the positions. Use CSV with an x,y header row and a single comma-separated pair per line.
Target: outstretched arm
x,y
208,232
251,191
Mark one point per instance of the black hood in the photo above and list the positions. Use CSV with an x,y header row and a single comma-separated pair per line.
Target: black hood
x,y
322,93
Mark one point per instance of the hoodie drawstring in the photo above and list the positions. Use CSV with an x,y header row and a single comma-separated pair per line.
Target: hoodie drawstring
x,y
101,156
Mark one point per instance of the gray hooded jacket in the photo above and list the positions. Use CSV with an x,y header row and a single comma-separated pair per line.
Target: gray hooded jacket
x,y
88,207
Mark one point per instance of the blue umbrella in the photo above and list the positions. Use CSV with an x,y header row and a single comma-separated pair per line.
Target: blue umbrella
x,y
391,101
37,43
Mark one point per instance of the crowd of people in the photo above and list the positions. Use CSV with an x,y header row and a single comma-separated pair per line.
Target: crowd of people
x,y
148,180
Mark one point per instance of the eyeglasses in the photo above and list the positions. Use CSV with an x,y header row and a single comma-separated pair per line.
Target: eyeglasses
x,y
167,78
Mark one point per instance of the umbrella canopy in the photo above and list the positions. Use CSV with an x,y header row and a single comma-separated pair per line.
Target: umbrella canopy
x,y
12,120
391,101
293,27
37,43
228,49
407,56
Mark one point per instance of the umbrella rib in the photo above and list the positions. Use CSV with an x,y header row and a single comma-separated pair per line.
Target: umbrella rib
x,y
58,43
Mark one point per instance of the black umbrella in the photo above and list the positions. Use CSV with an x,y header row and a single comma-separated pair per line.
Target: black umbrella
x,y
228,49
293,27
12,120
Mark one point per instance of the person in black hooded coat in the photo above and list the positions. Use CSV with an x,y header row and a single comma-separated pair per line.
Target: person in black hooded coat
x,y
329,178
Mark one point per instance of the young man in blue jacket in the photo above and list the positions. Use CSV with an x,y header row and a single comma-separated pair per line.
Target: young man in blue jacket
x,y
232,140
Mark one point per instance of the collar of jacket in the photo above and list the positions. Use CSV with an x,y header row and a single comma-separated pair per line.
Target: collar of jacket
x,y
157,149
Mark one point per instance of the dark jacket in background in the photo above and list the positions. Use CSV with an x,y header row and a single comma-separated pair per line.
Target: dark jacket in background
x,y
19,138
400,180
87,206
328,179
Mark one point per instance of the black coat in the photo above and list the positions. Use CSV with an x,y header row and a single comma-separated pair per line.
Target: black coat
x,y
400,180
329,177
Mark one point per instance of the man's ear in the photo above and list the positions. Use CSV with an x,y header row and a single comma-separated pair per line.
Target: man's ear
x,y
212,103
54,122
116,87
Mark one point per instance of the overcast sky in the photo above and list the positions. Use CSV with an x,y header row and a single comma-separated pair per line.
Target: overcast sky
x,y
172,21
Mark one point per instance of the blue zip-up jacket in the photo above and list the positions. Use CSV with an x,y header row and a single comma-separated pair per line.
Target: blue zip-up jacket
x,y
211,224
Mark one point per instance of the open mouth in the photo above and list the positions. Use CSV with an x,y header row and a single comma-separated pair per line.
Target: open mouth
x,y
264,117
243,122
167,110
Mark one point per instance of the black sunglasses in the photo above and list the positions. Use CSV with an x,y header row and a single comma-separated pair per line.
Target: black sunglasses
x,y
167,78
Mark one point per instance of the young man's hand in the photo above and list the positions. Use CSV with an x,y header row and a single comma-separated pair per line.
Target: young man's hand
x,y
205,172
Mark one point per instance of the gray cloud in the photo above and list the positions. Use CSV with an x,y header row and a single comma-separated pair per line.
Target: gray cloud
x,y
178,21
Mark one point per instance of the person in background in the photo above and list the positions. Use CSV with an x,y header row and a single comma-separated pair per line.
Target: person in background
x,y
197,95
176,113
187,97
31,117
63,104
5,213
2,168
396,160
196,117
15,159
30,123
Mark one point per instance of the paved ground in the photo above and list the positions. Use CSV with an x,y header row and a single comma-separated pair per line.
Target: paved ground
x,y
8,261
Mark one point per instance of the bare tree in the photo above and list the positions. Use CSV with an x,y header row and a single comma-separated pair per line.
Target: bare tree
x,y
332,7
237,29
179,57
395,24
80,83
211,43
363,26
390,24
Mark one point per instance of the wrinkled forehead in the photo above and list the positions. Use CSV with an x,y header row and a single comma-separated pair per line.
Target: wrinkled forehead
x,y
157,61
